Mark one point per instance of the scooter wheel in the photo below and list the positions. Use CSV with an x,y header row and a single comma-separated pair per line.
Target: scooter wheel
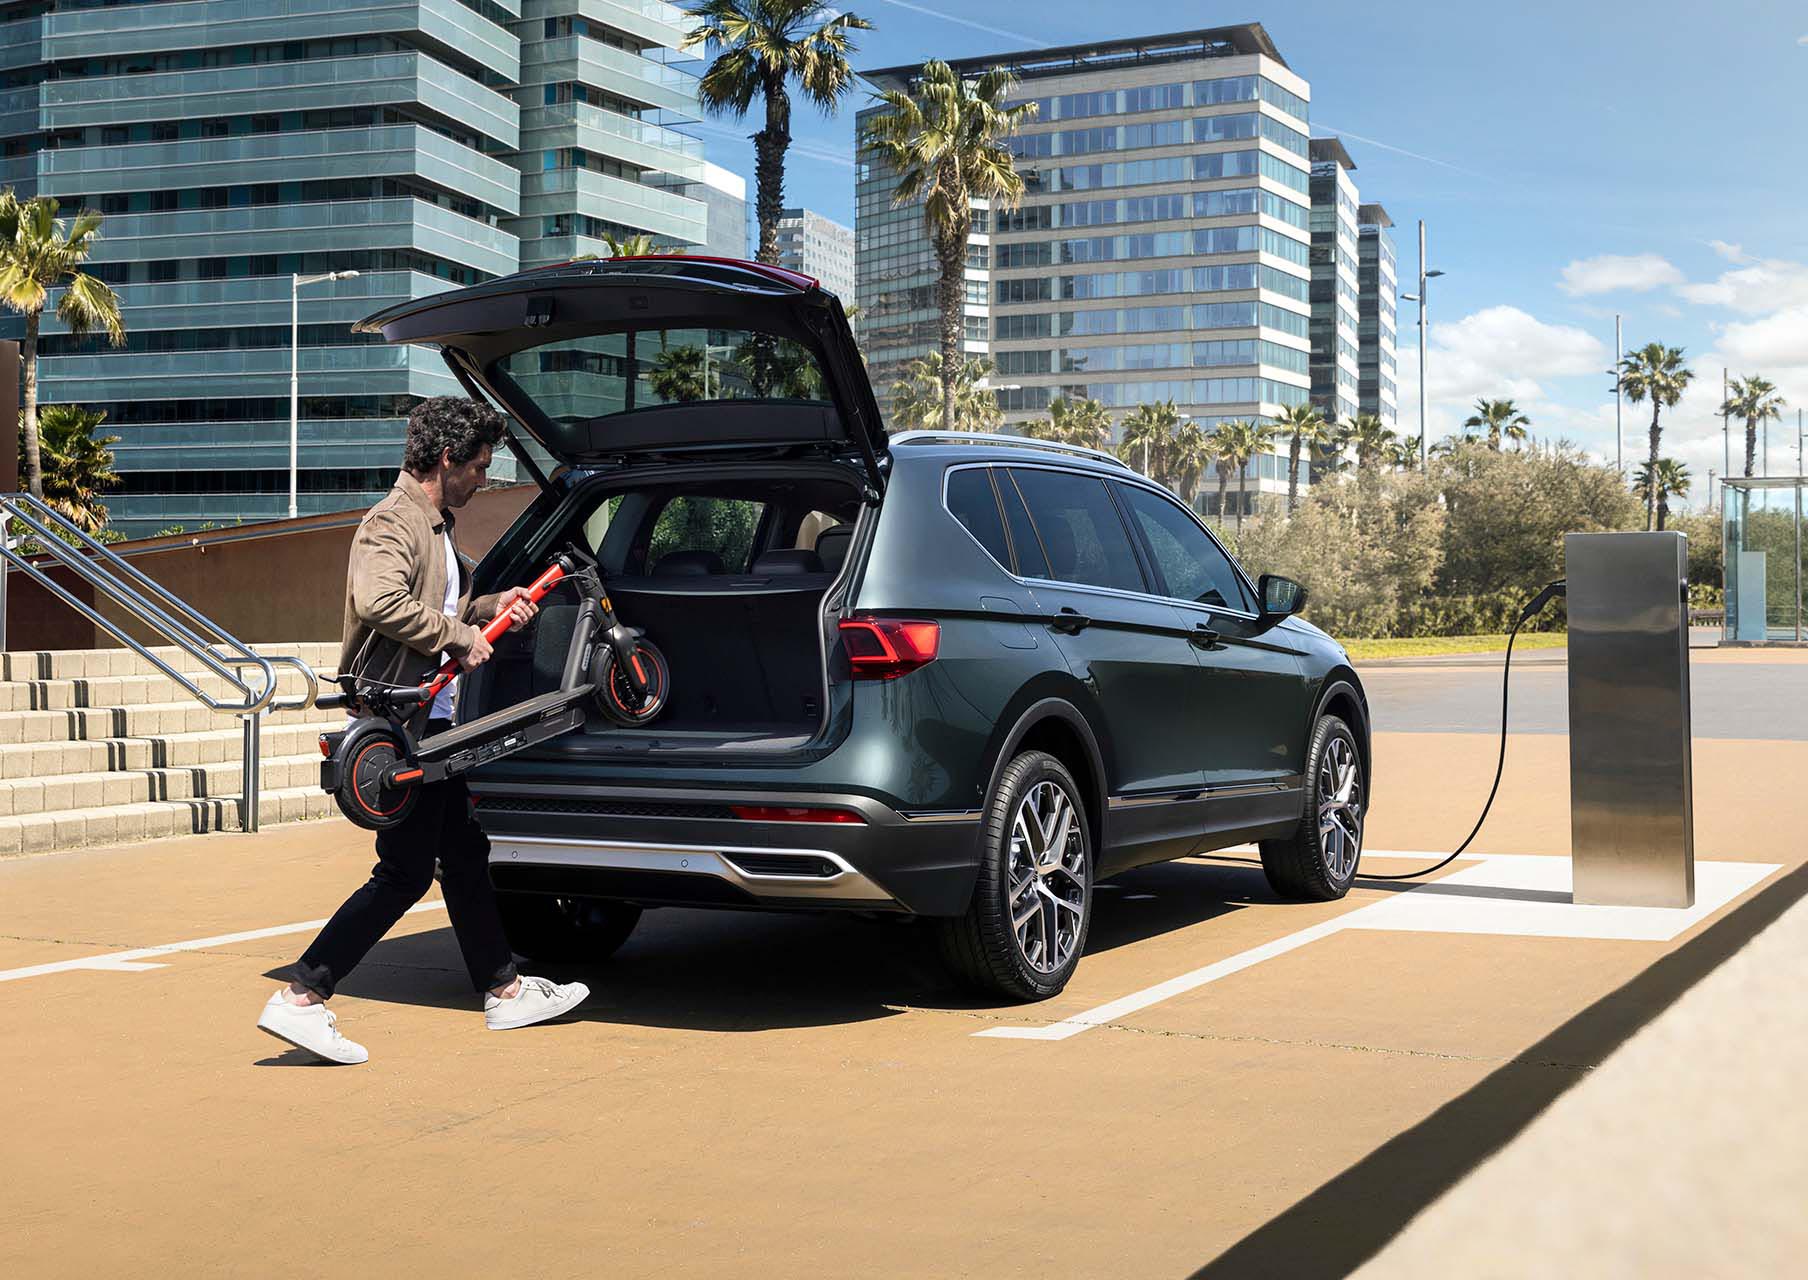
x,y
614,697
361,795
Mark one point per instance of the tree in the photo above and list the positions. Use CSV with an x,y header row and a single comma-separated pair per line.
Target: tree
x,y
760,47
1373,439
1498,419
1149,438
1189,455
1078,421
916,398
638,245
1303,423
1657,373
945,139
78,466
39,253
682,375
1755,400
1235,443
1668,477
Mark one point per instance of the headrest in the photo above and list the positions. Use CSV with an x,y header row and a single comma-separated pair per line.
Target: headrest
x,y
832,546
779,562
690,563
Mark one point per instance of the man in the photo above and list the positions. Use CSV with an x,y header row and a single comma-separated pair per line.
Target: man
x,y
407,607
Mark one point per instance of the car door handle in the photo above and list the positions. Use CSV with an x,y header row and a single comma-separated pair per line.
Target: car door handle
x,y
1070,621
1204,637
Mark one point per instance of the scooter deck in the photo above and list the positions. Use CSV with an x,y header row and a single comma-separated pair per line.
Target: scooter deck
x,y
504,732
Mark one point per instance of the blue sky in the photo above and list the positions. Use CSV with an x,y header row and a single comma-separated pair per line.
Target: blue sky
x,y
1570,160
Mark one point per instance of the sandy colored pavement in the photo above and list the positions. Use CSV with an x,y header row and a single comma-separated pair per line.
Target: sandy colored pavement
x,y
757,1095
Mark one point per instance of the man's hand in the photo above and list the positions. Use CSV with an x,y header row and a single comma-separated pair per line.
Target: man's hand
x,y
476,655
519,606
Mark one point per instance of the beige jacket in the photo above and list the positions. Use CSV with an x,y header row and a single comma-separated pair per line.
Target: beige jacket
x,y
395,591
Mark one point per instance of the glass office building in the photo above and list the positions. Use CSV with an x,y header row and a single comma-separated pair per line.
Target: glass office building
x,y
819,247
232,144
1161,251
1336,303
1378,301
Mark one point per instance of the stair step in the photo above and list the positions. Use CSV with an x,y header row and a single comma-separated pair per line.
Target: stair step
x,y
137,689
153,820
108,789
149,719
208,746
62,664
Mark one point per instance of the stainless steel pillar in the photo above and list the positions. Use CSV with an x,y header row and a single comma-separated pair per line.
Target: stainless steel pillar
x,y
1632,822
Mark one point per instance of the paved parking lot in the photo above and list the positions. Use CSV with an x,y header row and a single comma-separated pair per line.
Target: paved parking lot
x,y
1273,1086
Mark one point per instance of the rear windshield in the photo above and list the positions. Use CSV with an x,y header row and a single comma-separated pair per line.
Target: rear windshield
x,y
578,379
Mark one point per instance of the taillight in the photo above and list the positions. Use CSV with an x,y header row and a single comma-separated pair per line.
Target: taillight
x,y
325,747
886,648
792,813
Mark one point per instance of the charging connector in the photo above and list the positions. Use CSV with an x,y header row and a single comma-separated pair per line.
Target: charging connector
x,y
1533,607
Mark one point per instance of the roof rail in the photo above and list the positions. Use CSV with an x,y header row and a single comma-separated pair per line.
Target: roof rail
x,y
1018,442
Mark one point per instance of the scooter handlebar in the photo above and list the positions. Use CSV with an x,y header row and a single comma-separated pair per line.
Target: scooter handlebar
x,y
494,628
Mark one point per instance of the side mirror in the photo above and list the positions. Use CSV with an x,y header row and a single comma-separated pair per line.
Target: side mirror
x,y
1281,597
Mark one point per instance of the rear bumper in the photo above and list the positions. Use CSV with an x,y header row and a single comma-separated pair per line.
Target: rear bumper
x,y
685,847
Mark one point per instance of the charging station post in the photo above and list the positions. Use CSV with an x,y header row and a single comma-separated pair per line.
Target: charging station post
x,y
1632,826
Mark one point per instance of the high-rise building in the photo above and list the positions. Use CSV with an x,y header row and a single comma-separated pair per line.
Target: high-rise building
x,y
1336,356
423,144
1161,249
1378,294
819,247
724,196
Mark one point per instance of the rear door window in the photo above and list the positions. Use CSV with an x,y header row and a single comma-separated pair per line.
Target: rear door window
x,y
722,528
1081,532
1191,565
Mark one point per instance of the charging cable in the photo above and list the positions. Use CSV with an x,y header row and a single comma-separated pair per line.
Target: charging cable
x,y
1551,591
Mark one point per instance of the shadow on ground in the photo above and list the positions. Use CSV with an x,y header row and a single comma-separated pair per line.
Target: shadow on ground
x,y
759,971
1349,1219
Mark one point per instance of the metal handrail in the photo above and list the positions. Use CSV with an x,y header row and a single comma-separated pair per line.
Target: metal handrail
x,y
162,611
1018,442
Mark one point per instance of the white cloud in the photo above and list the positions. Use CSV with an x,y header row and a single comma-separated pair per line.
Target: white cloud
x,y
1498,353
1762,286
1731,252
1614,272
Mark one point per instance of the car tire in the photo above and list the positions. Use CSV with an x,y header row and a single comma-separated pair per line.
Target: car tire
x,y
1036,803
565,930
1318,862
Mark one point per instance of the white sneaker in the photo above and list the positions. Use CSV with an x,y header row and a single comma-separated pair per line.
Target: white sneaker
x,y
313,1027
537,1001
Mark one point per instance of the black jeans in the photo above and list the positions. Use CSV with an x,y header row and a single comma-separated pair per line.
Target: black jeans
x,y
441,826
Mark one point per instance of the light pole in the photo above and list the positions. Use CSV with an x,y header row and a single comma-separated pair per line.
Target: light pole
x,y
1619,435
1419,297
295,283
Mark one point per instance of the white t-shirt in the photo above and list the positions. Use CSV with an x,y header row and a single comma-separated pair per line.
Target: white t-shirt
x,y
442,701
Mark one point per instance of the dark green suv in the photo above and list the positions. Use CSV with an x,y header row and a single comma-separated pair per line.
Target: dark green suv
x,y
963,677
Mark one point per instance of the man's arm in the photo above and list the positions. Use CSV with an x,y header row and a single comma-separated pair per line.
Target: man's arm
x,y
383,601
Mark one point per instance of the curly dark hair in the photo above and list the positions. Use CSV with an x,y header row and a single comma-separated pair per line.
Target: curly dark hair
x,y
449,423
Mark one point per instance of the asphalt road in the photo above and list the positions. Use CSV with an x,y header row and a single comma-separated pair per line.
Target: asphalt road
x,y
1728,699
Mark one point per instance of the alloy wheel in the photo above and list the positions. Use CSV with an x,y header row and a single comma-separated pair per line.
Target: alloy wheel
x,y
1048,877
1339,809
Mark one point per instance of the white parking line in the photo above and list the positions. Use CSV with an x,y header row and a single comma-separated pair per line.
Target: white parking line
x,y
131,961
1512,894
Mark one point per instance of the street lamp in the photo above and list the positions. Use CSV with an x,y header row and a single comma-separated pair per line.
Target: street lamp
x,y
295,283
1419,297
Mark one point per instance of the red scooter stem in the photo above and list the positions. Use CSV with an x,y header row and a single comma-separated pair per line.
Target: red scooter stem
x,y
493,629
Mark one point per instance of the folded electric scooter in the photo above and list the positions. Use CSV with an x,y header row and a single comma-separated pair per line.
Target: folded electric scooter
x,y
374,768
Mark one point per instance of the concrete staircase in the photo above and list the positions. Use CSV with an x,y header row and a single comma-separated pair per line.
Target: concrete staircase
x,y
98,747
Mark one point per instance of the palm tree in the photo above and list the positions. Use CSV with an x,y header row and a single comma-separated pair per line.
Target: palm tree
x,y
638,245
916,398
1754,399
37,254
945,141
1660,482
683,375
760,47
1373,439
78,467
1079,421
1235,444
1148,438
1188,456
1305,424
1657,373
1499,419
